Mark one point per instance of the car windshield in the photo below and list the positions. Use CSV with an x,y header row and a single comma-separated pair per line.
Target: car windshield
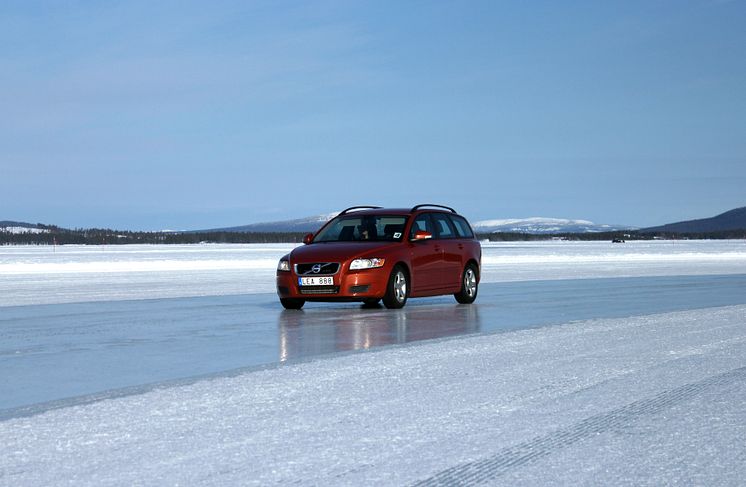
x,y
363,228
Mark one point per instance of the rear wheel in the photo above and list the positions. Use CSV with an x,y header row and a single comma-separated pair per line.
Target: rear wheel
x,y
469,285
292,303
397,290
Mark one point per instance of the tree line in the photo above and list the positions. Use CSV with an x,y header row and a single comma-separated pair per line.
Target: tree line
x,y
102,236
616,235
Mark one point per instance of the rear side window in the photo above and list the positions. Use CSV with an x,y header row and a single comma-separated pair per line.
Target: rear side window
x,y
443,227
463,230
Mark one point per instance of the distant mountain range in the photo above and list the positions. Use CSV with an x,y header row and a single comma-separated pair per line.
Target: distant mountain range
x,y
733,220
728,221
527,225
539,225
301,225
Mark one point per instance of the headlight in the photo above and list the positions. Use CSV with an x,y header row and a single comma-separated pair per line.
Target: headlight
x,y
366,263
283,265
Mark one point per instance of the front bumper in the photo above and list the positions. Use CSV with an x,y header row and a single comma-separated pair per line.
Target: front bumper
x,y
348,286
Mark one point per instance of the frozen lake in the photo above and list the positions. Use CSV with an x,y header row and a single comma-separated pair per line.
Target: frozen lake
x,y
648,400
576,361
73,318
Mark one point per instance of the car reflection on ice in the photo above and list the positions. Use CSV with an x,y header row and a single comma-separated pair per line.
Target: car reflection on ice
x,y
318,332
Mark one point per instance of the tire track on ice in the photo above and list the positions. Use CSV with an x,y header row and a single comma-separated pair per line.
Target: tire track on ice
x,y
542,446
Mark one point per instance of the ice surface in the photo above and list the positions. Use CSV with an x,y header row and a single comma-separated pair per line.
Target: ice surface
x,y
655,399
44,274
52,352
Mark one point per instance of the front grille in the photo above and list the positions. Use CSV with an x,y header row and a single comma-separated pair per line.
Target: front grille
x,y
324,268
319,289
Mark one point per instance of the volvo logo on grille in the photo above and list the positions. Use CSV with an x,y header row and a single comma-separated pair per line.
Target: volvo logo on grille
x,y
317,268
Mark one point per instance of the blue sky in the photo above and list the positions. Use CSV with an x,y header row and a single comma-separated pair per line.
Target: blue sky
x,y
190,115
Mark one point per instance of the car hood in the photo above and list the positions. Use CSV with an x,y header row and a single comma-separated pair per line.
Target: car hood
x,y
335,251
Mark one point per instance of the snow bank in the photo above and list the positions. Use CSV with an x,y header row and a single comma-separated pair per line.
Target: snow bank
x,y
528,261
648,400
107,267
46,275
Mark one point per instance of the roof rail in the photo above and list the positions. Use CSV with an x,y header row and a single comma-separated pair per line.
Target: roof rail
x,y
437,206
357,208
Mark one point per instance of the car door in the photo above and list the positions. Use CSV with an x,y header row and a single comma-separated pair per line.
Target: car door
x,y
425,256
466,245
451,266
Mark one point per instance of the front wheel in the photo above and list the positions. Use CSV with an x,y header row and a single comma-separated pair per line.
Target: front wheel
x,y
292,303
469,285
397,290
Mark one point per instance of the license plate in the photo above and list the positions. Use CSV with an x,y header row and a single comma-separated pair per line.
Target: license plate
x,y
316,281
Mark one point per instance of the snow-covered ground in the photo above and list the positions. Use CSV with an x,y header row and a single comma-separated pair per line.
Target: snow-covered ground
x,y
44,275
657,399
650,400
79,273
19,230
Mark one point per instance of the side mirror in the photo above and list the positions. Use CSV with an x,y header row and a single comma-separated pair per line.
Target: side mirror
x,y
421,235
308,238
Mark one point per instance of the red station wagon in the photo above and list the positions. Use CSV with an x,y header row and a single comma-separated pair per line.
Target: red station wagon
x,y
369,254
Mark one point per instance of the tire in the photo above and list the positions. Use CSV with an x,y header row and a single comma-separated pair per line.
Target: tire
x,y
469,285
292,303
397,290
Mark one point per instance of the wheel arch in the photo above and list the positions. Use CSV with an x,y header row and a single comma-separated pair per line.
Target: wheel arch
x,y
476,264
405,266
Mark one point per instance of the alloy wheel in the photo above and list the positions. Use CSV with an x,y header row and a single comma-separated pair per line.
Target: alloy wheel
x,y
470,282
400,286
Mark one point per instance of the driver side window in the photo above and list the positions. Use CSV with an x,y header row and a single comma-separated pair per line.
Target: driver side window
x,y
421,224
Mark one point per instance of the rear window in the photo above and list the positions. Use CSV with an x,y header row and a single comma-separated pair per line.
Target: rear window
x,y
462,227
